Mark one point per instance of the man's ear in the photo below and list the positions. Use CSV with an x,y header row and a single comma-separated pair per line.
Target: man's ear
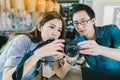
x,y
93,20
39,27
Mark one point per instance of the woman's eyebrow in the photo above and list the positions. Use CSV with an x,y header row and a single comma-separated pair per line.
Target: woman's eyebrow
x,y
55,25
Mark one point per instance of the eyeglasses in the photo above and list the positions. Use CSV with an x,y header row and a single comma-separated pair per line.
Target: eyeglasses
x,y
81,23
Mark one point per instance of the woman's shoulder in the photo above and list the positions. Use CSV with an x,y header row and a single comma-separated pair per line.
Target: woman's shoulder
x,y
23,38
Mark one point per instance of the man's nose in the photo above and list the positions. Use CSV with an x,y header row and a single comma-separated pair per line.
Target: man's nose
x,y
80,26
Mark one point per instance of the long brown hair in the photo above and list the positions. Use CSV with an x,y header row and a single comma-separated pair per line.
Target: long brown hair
x,y
34,34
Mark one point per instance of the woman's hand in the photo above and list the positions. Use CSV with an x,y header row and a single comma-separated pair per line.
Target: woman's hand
x,y
55,48
70,59
90,47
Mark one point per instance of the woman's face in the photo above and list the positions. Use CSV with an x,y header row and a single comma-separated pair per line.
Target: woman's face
x,y
51,29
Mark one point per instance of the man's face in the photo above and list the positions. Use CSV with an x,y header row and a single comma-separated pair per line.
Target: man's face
x,y
82,23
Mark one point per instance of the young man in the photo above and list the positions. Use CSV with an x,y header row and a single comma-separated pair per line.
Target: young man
x,y
100,45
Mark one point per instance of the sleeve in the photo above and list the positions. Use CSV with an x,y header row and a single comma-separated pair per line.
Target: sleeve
x,y
115,35
51,60
17,48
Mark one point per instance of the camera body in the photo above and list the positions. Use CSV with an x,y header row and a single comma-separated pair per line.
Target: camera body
x,y
71,49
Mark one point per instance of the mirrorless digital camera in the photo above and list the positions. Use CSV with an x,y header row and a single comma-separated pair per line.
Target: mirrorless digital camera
x,y
71,49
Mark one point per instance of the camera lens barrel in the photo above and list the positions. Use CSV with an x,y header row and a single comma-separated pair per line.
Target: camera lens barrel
x,y
71,48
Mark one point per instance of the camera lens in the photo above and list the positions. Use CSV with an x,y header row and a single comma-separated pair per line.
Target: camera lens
x,y
71,48
72,51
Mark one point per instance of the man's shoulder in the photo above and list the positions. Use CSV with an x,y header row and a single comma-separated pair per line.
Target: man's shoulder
x,y
108,26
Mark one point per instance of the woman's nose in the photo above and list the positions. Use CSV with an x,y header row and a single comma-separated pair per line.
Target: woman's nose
x,y
55,33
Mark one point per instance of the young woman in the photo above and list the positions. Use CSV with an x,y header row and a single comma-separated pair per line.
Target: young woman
x,y
49,26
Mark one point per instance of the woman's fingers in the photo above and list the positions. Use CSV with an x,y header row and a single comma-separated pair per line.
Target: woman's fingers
x,y
58,41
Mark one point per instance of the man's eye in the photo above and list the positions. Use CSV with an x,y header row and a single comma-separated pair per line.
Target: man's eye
x,y
76,23
83,21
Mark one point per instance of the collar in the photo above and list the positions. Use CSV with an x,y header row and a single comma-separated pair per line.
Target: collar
x,y
99,32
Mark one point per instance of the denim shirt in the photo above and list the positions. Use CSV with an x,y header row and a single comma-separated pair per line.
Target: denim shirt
x,y
109,36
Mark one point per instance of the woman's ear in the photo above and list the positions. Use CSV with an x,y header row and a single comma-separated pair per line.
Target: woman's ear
x,y
39,27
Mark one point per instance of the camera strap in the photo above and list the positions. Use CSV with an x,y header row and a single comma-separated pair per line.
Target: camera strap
x,y
17,75
77,58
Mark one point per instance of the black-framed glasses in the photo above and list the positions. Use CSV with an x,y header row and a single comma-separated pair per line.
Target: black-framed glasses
x,y
84,22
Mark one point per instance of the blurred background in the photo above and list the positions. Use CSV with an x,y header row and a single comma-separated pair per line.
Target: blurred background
x,y
21,15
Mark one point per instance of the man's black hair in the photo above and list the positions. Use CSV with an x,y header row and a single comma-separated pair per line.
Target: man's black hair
x,y
88,9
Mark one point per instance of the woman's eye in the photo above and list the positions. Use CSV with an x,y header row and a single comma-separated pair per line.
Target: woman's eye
x,y
60,30
51,27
